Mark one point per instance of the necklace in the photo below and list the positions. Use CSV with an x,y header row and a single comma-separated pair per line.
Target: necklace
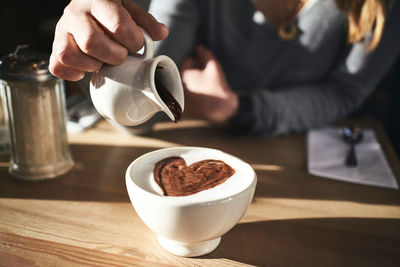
x,y
287,30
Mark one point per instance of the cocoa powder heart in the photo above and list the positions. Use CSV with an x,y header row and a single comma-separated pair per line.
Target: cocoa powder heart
x,y
177,179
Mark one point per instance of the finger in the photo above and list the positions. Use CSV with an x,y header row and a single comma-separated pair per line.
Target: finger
x,y
68,53
208,60
61,71
204,55
187,76
118,23
189,63
92,40
157,31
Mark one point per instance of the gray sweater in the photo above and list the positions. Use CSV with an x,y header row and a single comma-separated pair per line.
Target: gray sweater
x,y
284,86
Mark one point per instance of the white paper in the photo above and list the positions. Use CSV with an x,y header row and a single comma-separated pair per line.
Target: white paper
x,y
327,152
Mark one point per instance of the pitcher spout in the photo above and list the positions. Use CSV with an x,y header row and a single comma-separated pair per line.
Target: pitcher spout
x,y
166,84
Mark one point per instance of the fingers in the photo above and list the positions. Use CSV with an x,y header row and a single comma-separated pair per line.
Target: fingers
x,y
157,31
68,53
189,63
204,55
64,72
67,61
204,60
118,23
92,40
80,45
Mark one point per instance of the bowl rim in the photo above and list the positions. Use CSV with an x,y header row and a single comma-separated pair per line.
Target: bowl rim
x,y
184,200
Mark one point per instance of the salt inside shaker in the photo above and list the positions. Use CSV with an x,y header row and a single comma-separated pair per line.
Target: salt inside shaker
x,y
36,116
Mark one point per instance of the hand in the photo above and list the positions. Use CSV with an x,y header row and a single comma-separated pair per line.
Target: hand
x,y
93,32
207,93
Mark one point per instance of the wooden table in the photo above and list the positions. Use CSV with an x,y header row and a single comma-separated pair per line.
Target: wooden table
x,y
296,219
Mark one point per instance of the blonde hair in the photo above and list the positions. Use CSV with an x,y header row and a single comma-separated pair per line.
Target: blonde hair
x,y
364,16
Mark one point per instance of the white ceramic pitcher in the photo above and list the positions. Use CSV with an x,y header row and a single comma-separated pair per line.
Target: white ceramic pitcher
x,y
127,93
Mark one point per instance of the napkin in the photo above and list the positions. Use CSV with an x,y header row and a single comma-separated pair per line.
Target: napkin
x,y
327,152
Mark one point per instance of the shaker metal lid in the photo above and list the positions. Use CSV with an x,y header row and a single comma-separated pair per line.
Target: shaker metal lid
x,y
24,65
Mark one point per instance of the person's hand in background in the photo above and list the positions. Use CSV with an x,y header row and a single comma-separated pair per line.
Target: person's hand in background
x,y
93,32
207,93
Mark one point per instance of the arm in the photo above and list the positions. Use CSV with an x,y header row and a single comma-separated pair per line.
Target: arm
x,y
305,106
182,17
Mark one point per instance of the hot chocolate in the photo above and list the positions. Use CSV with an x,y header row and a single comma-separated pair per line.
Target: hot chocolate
x,y
175,178
169,100
238,180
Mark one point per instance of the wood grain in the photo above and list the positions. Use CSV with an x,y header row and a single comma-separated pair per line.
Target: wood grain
x,y
84,218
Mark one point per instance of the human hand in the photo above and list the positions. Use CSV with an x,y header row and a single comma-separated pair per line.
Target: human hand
x,y
93,32
207,93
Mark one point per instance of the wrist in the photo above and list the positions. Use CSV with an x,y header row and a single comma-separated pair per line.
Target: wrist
x,y
224,108
232,106
243,120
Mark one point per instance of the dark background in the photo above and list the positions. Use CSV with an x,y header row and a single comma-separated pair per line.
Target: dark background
x,y
28,22
33,22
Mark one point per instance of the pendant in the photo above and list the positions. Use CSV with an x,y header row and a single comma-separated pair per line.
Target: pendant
x,y
287,31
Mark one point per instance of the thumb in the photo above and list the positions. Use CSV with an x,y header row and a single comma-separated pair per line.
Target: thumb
x,y
212,66
157,30
189,63
204,55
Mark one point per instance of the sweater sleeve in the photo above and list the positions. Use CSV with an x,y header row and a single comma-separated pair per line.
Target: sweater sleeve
x,y
182,19
305,106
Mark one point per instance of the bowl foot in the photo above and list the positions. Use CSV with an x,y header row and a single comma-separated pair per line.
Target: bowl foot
x,y
189,249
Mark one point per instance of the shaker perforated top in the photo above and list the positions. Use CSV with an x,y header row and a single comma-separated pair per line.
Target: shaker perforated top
x,y
25,65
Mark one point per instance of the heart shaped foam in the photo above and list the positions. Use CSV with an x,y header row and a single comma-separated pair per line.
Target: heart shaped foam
x,y
177,179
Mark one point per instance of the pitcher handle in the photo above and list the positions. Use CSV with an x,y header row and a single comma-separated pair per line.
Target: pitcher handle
x,y
148,46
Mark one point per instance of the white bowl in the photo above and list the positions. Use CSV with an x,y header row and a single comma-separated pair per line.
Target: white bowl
x,y
190,225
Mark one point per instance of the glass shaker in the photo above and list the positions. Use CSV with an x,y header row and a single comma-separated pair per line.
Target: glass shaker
x,y
36,116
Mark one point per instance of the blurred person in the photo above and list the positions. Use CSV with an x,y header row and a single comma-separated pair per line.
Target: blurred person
x,y
269,67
